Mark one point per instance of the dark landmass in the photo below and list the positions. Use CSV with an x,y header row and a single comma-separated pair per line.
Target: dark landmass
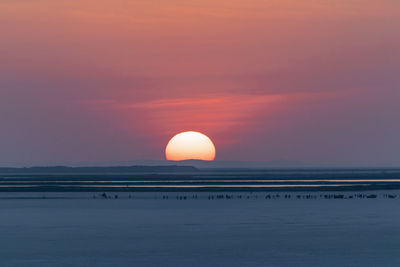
x,y
102,170
216,164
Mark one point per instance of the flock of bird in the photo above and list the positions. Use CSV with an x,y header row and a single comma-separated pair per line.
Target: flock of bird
x,y
259,196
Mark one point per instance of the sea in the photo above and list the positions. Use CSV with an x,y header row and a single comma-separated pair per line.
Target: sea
x,y
50,224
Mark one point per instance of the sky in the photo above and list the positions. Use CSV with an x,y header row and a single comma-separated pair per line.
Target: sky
x,y
312,81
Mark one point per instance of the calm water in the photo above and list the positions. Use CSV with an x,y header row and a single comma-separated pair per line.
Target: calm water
x,y
146,229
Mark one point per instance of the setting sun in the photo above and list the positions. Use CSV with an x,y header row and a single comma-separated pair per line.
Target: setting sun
x,y
190,145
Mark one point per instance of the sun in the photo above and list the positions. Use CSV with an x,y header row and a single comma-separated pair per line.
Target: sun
x,y
190,145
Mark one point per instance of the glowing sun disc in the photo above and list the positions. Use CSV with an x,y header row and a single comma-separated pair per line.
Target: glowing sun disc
x,y
190,145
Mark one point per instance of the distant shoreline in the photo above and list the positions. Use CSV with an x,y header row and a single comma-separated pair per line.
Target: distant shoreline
x,y
188,179
302,188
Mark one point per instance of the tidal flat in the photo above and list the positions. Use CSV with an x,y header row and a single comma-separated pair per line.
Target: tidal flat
x,y
147,179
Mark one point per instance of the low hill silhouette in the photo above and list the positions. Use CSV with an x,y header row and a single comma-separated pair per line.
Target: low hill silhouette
x,y
113,169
